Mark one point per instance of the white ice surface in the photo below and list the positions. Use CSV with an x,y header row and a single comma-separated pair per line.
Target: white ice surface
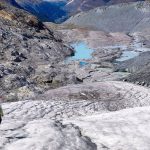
x,y
123,130
81,124
42,134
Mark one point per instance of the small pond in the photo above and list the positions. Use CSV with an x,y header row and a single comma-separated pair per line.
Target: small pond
x,y
82,51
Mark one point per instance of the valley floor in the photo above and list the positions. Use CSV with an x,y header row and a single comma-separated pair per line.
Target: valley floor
x,y
99,114
57,101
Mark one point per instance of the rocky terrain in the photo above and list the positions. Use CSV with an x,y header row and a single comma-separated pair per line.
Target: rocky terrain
x,y
132,17
112,39
29,55
74,86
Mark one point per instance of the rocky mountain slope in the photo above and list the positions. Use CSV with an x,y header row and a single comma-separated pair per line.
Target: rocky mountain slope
x,y
28,54
45,10
116,18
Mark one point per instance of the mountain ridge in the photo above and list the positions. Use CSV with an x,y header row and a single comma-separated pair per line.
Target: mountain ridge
x,y
60,10
115,18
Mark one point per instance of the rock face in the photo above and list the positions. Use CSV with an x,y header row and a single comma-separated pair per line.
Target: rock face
x,y
28,52
116,18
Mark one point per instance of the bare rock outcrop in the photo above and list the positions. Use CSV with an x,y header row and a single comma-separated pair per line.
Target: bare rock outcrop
x,y
29,53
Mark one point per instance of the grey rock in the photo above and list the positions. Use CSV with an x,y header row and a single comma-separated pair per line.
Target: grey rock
x,y
27,49
116,18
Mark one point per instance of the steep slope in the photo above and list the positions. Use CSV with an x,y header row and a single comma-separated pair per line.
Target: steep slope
x,y
46,10
52,11
27,51
116,18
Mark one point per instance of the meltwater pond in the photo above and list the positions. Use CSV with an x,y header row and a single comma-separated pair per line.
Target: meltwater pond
x,y
127,55
82,51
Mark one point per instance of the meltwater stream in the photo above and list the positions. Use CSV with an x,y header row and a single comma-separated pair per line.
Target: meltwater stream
x,y
126,55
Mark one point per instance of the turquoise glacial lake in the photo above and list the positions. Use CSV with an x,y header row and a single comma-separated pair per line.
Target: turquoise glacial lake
x,y
82,51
